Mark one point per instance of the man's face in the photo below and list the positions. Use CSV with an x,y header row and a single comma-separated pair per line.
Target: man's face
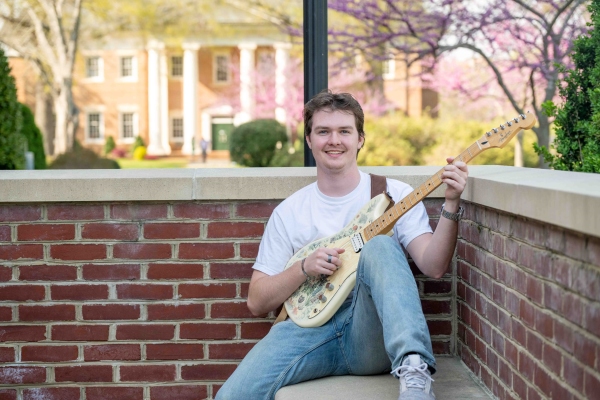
x,y
334,140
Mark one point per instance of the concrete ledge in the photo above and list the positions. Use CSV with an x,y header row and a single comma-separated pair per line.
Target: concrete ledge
x,y
566,199
453,381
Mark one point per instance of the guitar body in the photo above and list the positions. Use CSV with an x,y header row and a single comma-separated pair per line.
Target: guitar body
x,y
306,306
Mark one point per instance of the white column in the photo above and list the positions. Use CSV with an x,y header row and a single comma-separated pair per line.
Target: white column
x,y
154,142
247,69
282,54
164,103
190,97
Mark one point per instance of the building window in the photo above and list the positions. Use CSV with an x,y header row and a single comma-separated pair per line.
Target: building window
x,y
177,66
92,67
126,67
221,65
177,128
389,68
127,125
94,126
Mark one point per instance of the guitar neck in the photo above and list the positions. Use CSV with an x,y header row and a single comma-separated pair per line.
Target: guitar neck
x,y
385,223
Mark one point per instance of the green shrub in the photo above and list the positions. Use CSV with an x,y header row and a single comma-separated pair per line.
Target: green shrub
x,y
109,145
577,142
139,153
35,141
12,141
253,144
138,143
288,155
80,158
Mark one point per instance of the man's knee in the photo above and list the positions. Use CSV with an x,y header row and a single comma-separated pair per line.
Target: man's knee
x,y
381,244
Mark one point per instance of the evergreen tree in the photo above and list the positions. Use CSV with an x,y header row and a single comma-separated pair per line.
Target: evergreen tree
x,y
577,122
35,141
12,141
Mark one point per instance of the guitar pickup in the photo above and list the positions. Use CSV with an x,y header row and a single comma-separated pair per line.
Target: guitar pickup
x,y
357,242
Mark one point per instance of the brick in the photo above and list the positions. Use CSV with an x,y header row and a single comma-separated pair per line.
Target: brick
x,y
527,313
574,246
244,289
256,209
592,383
587,282
5,274
255,330
563,336
78,251
230,310
71,212
553,296
47,273
207,372
114,231
20,213
436,306
22,375
148,292
439,327
441,347
231,270
229,351
249,250
562,269
519,333
22,292
207,291
172,351
172,230
544,324
8,394
111,312
58,312
7,354
176,271
43,232
179,392
206,251
83,333
593,251
543,381
114,393
84,373
49,353
572,308
111,272
584,350
175,311
138,211
437,287
21,251
235,229
207,331
142,251
147,373
552,359
591,320
54,393
573,374
534,345
112,352
22,333
201,211
535,289
145,332
79,292
526,366
5,233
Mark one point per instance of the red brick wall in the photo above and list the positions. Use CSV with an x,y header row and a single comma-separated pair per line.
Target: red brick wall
x,y
528,306
138,300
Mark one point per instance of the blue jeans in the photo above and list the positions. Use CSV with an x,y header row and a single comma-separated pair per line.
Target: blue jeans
x,y
368,335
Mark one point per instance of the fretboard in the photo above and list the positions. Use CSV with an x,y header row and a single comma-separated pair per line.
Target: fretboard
x,y
383,224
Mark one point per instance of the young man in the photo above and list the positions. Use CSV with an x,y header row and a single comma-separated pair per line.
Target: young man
x,y
381,326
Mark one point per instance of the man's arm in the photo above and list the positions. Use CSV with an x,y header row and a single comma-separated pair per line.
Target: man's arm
x,y
432,252
267,292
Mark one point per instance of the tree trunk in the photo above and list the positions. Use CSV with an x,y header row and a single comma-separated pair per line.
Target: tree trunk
x,y
543,136
519,150
44,117
67,119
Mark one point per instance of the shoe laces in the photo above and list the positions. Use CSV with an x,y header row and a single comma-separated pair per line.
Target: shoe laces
x,y
414,377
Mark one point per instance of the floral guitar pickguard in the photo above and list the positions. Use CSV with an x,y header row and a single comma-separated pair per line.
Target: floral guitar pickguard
x,y
306,306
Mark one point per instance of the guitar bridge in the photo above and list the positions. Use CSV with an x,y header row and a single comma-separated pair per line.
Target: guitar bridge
x,y
357,242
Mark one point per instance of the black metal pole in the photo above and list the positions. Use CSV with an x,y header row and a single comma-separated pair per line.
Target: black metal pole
x,y
315,57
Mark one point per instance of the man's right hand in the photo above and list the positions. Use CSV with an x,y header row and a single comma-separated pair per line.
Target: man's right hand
x,y
323,261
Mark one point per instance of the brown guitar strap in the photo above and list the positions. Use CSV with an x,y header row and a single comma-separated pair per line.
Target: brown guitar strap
x,y
378,186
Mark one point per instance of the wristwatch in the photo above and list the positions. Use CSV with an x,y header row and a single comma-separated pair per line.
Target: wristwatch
x,y
453,216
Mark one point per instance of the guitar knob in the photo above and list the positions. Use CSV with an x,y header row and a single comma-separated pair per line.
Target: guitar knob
x,y
322,298
329,286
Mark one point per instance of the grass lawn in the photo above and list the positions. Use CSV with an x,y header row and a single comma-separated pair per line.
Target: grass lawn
x,y
128,163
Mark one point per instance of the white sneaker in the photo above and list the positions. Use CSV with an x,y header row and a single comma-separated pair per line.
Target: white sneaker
x,y
415,379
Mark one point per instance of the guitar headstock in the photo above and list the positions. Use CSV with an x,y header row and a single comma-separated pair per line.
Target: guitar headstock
x,y
501,135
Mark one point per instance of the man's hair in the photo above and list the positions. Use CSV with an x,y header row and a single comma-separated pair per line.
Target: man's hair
x,y
329,101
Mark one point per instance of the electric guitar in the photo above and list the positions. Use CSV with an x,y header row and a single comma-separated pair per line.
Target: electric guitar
x,y
318,298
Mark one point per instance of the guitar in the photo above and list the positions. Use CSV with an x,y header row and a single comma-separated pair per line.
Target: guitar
x,y
318,298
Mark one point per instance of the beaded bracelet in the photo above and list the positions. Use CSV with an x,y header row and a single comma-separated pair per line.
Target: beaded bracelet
x,y
303,271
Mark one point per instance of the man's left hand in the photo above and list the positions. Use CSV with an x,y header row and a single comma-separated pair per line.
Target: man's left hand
x,y
455,177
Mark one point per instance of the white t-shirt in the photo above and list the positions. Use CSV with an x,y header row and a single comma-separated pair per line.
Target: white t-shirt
x,y
308,215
